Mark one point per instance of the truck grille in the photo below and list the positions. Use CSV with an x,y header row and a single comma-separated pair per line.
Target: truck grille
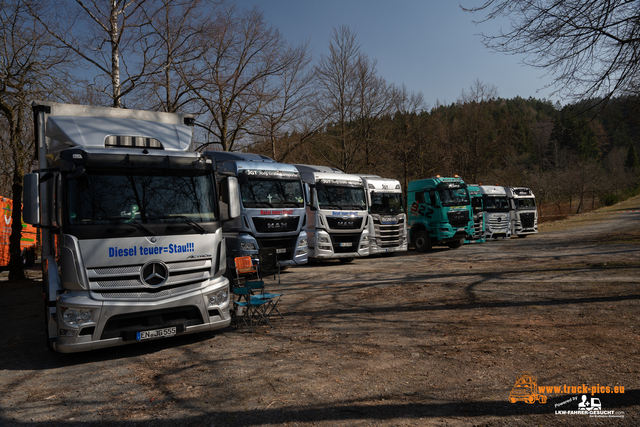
x,y
458,218
125,282
286,243
528,219
345,223
344,243
388,233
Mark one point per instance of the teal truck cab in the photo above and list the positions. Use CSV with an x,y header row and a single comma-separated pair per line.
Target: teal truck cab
x,y
439,212
478,215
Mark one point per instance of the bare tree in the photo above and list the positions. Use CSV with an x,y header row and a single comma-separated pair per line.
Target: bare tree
x,y
179,27
374,99
475,136
590,47
337,79
236,75
288,113
28,69
111,36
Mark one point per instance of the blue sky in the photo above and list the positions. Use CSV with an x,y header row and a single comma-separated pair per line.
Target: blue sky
x,y
430,46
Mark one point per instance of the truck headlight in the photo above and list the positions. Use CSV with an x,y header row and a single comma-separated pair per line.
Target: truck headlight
x,y
323,239
218,298
303,242
247,246
76,316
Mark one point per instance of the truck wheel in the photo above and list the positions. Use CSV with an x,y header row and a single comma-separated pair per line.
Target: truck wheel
x,y
455,245
422,241
346,260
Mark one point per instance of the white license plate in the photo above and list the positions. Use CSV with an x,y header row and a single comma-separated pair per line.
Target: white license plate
x,y
156,333
460,229
281,251
345,245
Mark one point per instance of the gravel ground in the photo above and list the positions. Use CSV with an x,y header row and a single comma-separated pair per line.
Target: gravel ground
x,y
411,339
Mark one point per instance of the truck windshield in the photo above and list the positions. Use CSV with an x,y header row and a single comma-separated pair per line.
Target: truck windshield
x,y
149,197
386,203
271,193
341,197
454,197
496,204
525,203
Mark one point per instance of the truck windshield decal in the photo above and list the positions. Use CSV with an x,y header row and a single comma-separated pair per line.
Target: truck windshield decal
x,y
272,174
116,252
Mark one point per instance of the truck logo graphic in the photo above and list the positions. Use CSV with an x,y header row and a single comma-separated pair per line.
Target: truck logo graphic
x,y
154,273
277,225
526,390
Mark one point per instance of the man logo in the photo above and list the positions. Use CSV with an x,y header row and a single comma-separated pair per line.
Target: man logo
x,y
154,273
276,225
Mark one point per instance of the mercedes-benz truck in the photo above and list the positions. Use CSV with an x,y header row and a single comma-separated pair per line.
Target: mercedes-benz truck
x,y
388,225
272,204
337,215
497,212
524,213
132,246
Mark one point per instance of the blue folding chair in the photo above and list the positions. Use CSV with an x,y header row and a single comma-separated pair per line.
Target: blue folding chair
x,y
257,288
249,307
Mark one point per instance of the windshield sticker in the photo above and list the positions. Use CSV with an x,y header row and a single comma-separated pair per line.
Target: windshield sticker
x,y
277,212
116,252
272,174
341,213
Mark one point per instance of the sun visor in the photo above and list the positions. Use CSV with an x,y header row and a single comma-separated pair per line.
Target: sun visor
x,y
100,132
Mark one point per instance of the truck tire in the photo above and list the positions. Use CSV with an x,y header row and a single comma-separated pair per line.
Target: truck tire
x,y
455,244
522,236
422,241
346,260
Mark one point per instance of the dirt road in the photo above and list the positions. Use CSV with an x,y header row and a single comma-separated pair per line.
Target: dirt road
x,y
412,339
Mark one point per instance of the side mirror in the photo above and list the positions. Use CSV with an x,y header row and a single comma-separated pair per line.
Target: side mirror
x,y
307,193
31,198
233,195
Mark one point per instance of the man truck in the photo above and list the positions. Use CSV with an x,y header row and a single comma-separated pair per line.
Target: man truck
x,y
132,245
337,215
388,225
439,213
524,214
497,212
272,207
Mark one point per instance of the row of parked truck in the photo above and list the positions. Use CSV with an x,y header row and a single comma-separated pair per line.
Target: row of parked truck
x,y
138,229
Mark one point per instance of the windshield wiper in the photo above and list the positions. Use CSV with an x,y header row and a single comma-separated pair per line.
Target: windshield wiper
x,y
192,222
132,222
185,219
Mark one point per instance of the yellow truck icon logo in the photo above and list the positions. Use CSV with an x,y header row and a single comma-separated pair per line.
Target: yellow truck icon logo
x,y
526,390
